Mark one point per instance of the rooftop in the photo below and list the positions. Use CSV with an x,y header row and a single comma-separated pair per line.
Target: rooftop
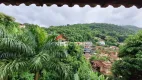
x,y
81,3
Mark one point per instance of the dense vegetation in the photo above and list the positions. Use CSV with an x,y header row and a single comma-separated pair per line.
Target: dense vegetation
x,y
112,34
129,67
32,54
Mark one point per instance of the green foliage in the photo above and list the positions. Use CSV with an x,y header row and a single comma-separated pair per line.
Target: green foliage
x,y
129,67
12,52
99,77
38,33
32,53
5,19
112,34
9,23
95,57
111,41
23,76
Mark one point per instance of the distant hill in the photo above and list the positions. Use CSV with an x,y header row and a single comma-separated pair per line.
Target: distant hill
x,y
111,33
133,28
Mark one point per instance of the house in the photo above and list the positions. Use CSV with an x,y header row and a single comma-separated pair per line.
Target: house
x,y
22,26
101,42
87,50
87,46
61,38
63,43
102,66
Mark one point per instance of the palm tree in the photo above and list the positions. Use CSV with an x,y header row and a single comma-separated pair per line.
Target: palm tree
x,y
12,53
47,52
33,50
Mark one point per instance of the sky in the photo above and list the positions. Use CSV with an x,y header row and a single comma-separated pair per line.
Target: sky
x,y
53,16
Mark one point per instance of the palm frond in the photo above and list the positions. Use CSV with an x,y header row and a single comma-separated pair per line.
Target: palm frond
x,y
55,49
61,68
28,38
39,61
9,68
3,32
11,46
7,55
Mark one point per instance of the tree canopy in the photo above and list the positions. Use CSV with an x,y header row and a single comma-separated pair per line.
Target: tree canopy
x,y
112,34
129,66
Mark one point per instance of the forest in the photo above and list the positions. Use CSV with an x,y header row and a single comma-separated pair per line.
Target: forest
x,y
32,53
110,33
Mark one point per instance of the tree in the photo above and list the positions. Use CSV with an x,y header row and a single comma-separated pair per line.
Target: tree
x,y
13,55
129,66
111,41
48,53
30,51
87,32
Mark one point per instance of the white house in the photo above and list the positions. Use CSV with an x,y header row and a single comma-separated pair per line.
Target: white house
x,y
102,43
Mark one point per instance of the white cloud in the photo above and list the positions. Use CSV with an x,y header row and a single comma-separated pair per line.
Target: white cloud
x,y
53,15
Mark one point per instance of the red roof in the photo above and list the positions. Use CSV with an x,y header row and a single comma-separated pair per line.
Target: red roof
x,y
81,3
60,37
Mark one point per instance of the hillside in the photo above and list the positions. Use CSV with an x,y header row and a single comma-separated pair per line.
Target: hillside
x,y
111,33
130,27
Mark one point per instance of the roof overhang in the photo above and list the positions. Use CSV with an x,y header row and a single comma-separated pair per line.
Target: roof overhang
x,y
81,3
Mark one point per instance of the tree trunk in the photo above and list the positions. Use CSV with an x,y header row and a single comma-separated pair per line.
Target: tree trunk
x,y
36,76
